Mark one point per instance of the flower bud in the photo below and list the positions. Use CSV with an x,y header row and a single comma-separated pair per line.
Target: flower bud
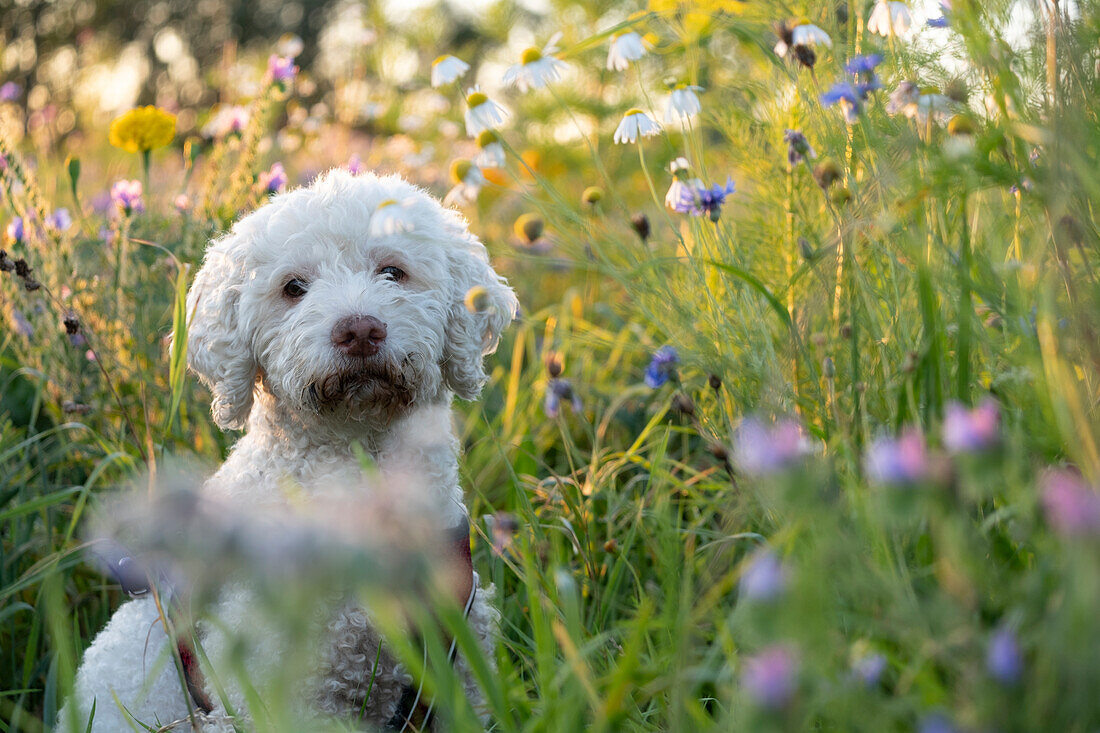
x,y
529,227
828,368
592,195
477,299
826,173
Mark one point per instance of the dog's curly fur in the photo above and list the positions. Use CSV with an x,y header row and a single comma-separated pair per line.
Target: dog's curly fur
x,y
272,368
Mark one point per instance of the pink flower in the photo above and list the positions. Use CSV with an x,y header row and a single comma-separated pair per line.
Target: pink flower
x,y
127,196
903,460
281,69
1072,506
273,179
769,678
968,431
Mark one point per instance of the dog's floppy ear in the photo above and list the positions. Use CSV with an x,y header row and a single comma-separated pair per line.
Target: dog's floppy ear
x,y
217,348
473,329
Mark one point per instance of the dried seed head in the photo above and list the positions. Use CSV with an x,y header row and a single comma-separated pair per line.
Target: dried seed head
x,y
715,382
683,404
72,324
805,55
554,364
640,223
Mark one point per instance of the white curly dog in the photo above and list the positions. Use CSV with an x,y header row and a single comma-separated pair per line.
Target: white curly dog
x,y
320,321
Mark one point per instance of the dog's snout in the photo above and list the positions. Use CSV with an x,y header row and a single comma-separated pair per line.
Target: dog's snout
x,y
358,335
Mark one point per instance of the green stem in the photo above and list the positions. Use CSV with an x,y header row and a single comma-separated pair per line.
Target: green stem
x,y
965,307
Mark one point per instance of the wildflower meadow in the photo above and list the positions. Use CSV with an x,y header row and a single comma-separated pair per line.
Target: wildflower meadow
x,y
797,427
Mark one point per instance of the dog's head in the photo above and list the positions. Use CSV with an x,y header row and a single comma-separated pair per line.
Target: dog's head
x,y
335,320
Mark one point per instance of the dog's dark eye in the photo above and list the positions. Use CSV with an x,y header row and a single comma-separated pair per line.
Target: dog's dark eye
x,y
393,273
295,289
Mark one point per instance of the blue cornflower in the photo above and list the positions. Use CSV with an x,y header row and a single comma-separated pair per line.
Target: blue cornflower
x,y
863,64
798,147
848,97
558,391
661,367
942,21
866,87
701,200
16,230
1004,659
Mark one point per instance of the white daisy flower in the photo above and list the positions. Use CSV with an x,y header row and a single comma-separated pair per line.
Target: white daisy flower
x,y
681,182
889,19
635,123
919,104
808,34
447,69
491,152
482,113
682,104
536,67
625,47
391,217
468,181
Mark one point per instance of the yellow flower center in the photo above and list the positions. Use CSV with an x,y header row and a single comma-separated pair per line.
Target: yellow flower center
x,y
476,99
633,111
460,169
930,90
487,138
440,60
384,204
530,56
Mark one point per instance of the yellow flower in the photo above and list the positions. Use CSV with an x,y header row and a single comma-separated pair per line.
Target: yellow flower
x,y
142,129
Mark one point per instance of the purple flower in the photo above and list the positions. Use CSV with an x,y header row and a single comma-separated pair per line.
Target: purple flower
x,y
661,367
863,64
868,669
274,179
355,164
798,147
281,69
902,460
15,229
60,220
108,235
10,91
769,677
1072,507
126,195
759,450
968,431
764,577
699,200
848,97
557,391
20,324
1003,659
936,723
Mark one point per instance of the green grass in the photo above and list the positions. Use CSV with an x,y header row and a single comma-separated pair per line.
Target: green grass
x,y
919,279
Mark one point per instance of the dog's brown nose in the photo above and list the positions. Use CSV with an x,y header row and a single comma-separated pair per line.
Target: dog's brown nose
x,y
358,335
